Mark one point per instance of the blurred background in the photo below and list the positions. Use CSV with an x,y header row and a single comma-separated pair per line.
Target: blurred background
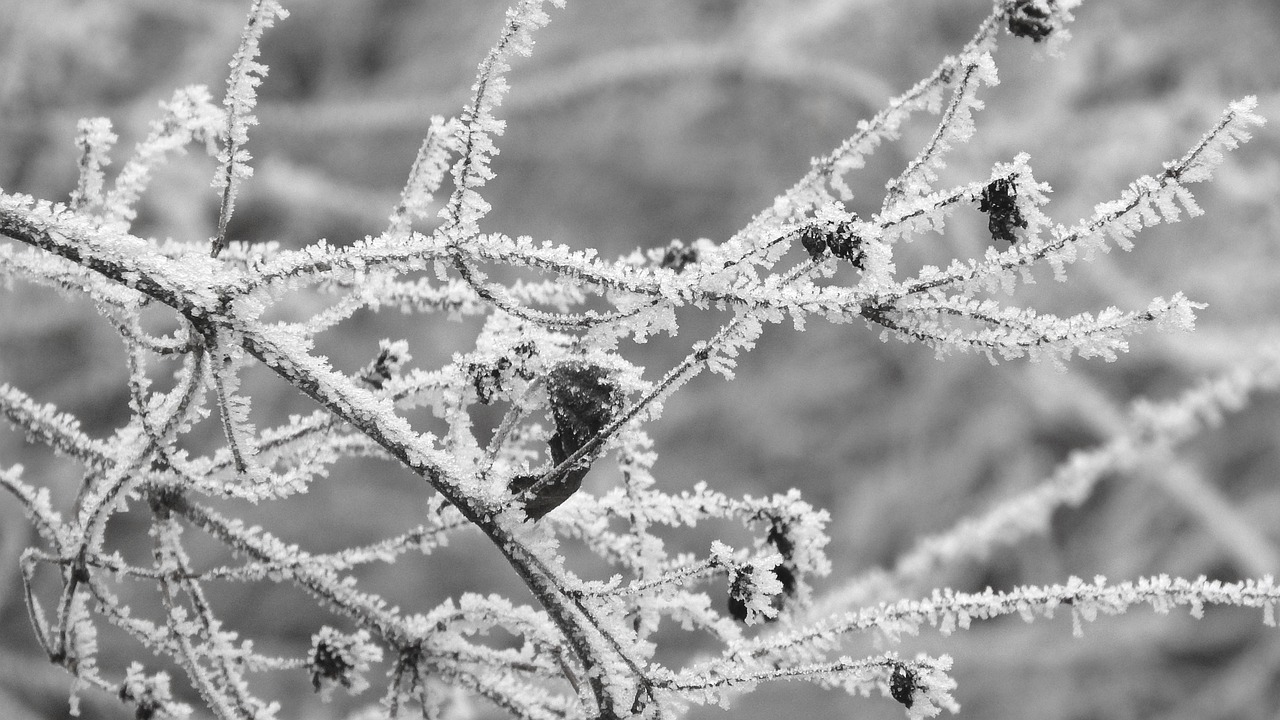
x,y
638,122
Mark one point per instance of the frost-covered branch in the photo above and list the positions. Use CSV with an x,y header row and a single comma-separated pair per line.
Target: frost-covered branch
x,y
241,98
1150,428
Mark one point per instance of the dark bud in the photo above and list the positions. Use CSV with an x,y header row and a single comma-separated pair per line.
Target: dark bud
x,y
1030,19
836,238
902,684
738,590
999,202
329,663
678,255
